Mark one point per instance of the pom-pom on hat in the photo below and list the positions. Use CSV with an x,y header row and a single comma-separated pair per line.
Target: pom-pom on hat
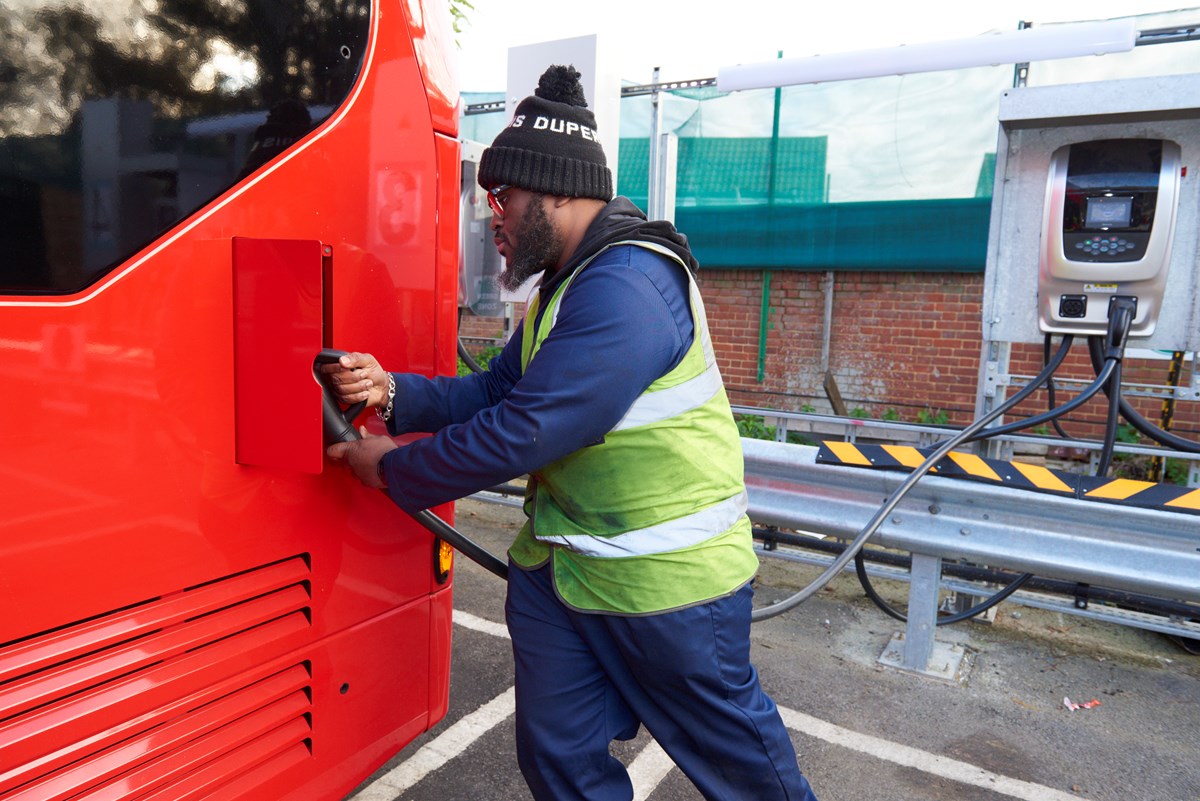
x,y
551,145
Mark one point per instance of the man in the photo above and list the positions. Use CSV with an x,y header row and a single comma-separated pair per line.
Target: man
x,y
629,586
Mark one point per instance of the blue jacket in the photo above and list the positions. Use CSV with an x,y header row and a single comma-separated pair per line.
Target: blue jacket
x,y
625,323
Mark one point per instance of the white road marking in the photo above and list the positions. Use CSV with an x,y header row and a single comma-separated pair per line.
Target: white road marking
x,y
652,765
469,621
440,750
648,770
907,756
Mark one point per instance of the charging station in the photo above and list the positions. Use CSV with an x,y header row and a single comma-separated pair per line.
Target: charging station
x,y
1093,202
1109,225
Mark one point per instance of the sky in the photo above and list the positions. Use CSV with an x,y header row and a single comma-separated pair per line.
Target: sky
x,y
695,38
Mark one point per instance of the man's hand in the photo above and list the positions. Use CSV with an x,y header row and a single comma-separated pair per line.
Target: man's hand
x,y
362,456
357,377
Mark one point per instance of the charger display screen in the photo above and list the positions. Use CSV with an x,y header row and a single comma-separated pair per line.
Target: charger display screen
x,y
1104,212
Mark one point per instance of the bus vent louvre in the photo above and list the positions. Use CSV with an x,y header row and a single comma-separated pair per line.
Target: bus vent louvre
x,y
163,699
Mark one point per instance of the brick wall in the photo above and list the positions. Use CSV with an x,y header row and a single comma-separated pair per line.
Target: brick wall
x,y
901,341
477,331
903,345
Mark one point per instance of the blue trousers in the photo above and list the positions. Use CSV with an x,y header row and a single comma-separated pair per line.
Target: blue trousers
x,y
583,680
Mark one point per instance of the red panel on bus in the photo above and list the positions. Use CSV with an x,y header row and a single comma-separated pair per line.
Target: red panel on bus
x,y
277,331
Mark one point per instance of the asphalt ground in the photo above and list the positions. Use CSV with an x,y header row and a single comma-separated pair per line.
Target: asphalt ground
x,y
863,732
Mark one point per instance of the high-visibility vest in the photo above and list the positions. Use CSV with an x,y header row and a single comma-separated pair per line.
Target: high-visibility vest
x,y
652,518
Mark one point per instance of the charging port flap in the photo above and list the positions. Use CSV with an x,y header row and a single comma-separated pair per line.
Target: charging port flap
x,y
277,327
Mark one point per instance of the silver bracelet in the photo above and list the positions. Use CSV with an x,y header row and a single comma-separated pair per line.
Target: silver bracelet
x,y
385,413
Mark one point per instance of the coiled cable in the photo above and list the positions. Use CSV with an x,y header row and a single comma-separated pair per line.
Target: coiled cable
x,y
909,482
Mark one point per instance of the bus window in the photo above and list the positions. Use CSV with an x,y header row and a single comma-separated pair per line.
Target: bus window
x,y
115,124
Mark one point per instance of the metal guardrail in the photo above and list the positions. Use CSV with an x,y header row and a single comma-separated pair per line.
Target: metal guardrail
x,y
1146,551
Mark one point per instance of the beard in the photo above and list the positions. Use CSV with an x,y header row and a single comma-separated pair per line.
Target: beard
x,y
538,246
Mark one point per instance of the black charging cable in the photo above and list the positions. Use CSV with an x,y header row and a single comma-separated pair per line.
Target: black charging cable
x,y
1051,403
853,549
1090,391
1108,379
1131,415
860,568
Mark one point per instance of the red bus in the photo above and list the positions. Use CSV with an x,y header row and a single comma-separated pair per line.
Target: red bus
x,y
195,198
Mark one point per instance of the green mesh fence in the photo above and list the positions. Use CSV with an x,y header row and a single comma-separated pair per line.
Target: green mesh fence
x,y
948,235
753,203
732,171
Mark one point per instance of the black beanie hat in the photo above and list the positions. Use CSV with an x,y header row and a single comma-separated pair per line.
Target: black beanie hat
x,y
550,146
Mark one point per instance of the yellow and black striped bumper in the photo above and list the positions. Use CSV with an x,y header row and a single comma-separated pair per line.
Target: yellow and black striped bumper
x,y
1146,494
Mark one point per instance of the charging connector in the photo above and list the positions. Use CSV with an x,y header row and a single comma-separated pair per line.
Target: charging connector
x,y
1122,310
1072,306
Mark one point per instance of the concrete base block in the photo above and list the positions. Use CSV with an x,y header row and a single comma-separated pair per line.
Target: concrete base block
x,y
948,662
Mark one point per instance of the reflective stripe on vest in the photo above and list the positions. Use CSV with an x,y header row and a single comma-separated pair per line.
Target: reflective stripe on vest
x,y
650,407
672,535
664,404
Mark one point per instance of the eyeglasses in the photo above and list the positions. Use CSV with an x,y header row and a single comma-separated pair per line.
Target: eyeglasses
x,y
494,201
